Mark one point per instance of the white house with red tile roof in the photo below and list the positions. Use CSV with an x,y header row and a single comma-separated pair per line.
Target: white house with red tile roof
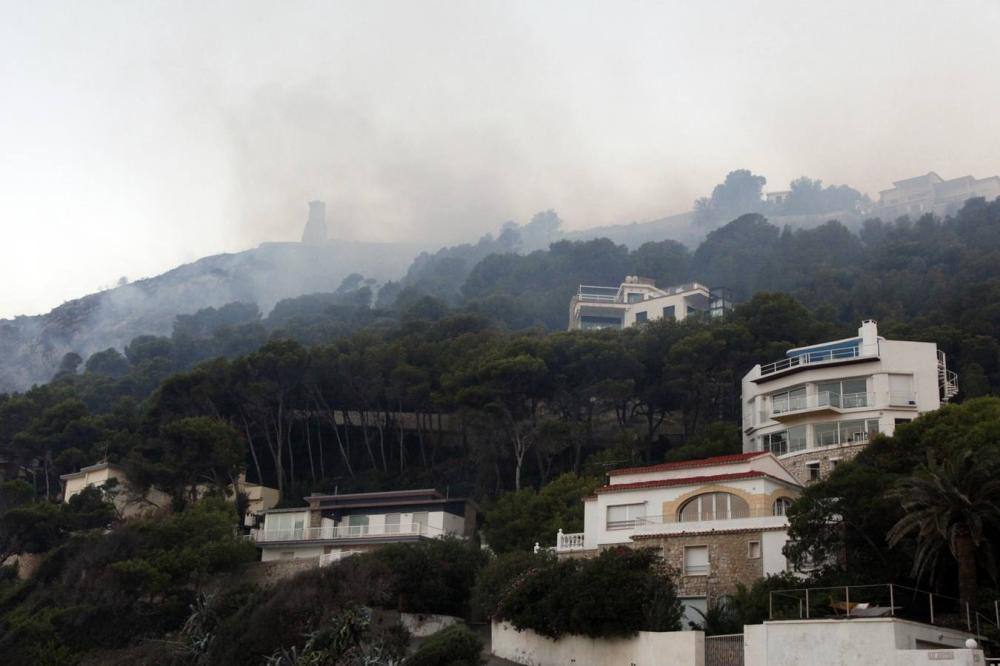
x,y
718,521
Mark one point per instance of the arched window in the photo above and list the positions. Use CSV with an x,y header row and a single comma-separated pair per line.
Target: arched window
x,y
714,506
781,506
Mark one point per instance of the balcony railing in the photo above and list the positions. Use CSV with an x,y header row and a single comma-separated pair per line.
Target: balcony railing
x,y
594,294
820,400
808,358
330,532
566,542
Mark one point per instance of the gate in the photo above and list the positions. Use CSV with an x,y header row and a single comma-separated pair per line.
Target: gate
x,y
726,650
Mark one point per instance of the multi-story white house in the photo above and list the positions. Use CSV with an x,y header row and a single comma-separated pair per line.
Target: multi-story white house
x,y
637,300
821,404
335,526
717,521
932,194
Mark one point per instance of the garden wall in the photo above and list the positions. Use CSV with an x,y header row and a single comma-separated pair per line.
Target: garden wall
x,y
647,648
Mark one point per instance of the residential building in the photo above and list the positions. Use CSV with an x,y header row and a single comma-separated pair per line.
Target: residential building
x,y
334,526
778,197
638,299
822,403
259,499
718,521
932,194
129,501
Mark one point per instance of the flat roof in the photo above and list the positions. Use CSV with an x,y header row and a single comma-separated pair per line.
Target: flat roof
x,y
685,464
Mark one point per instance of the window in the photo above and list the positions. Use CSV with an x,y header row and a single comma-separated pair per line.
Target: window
x,y
641,317
901,390
696,560
775,442
392,523
900,422
633,297
846,393
714,506
788,401
625,516
781,506
833,463
753,550
797,438
357,525
419,521
669,312
845,432
813,469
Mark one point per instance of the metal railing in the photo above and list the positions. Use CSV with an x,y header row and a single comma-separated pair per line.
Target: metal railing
x,y
724,650
329,532
596,294
882,600
822,399
807,358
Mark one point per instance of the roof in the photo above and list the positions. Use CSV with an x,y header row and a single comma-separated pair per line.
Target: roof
x,y
686,481
90,468
687,464
927,177
388,494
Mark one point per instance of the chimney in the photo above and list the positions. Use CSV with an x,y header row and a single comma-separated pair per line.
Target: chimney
x,y
315,231
868,333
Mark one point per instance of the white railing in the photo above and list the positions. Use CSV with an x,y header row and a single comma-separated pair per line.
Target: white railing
x,y
329,532
808,358
823,399
596,294
567,542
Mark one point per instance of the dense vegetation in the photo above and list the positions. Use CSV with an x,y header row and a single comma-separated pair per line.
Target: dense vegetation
x,y
461,383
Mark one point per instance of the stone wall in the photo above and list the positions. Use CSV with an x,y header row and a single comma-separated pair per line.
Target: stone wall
x,y
266,574
826,457
728,558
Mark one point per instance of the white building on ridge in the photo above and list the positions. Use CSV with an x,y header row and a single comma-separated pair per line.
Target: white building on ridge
x,y
638,300
822,403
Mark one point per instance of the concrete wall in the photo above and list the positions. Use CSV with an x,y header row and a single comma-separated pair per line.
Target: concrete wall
x,y
869,641
299,551
647,648
771,544
424,625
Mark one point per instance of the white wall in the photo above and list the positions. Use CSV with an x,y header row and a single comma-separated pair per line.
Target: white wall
x,y
868,641
423,625
299,552
771,544
647,648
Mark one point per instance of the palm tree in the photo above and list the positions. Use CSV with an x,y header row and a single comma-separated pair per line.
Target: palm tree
x,y
950,507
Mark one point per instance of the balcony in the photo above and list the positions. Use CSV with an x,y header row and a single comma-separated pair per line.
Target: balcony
x,y
569,542
594,294
332,532
809,359
736,520
818,403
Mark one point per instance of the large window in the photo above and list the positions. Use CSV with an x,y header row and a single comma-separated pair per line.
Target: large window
x,y
357,525
845,432
788,401
633,297
714,506
625,516
846,393
641,317
392,523
785,441
781,506
669,313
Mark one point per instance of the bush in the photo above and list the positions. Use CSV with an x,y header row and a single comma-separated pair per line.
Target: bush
x,y
496,578
616,594
455,646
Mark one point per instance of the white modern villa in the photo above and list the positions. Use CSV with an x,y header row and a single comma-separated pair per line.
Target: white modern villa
x,y
335,526
637,300
718,521
822,403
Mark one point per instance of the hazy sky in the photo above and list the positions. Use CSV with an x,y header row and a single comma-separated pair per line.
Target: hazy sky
x,y
138,135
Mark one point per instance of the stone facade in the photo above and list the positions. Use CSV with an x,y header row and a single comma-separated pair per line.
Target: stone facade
x,y
728,556
827,459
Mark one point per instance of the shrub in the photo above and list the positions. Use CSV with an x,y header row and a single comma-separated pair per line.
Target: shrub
x,y
455,646
616,594
495,579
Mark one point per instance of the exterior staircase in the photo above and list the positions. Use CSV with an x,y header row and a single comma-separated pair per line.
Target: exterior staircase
x,y
947,379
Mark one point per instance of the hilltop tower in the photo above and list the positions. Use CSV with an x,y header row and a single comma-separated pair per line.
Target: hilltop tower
x,y
315,231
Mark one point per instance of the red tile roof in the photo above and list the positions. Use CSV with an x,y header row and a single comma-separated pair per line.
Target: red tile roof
x,y
704,462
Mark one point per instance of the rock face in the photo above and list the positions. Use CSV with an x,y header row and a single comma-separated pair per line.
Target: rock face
x,y
31,347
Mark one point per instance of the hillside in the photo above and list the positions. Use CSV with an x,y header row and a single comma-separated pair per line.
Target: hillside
x,y
31,347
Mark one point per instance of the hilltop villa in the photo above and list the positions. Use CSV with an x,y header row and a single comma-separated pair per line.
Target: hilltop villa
x,y
718,521
822,403
335,526
637,300
931,193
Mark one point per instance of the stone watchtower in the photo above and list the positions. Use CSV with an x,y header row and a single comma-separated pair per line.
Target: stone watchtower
x,y
315,231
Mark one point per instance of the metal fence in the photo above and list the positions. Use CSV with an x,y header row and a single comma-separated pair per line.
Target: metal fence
x,y
725,650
